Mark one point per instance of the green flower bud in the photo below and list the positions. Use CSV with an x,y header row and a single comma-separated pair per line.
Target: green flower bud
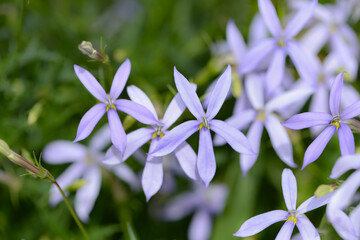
x,y
88,49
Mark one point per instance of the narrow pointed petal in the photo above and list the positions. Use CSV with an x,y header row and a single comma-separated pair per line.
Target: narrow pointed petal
x,y
335,94
101,139
136,139
120,78
355,218
188,95
315,38
300,57
289,187
138,96
201,225
187,160
181,206
350,96
258,223
315,149
235,41
275,73
152,177
91,84
118,135
257,30
59,152
285,231
86,196
233,137
346,140
175,137
300,19
255,89
344,164
280,140
112,157
89,121
307,119
351,111
254,136
320,100
126,174
174,111
307,229
342,224
137,111
206,158
345,53
314,203
270,17
254,56
219,93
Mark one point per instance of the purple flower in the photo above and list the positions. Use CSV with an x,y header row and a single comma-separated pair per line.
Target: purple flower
x,y
294,216
206,202
152,178
204,122
280,45
86,165
110,103
335,121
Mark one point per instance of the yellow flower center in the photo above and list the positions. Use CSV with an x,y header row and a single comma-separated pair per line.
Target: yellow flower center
x,y
204,123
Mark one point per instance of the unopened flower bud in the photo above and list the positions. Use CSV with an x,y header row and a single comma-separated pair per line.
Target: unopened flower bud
x,y
88,49
4,148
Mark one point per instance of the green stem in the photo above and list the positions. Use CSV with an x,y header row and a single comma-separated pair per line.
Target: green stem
x,y
72,212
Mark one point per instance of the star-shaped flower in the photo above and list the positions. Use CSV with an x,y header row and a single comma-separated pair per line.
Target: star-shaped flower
x,y
110,104
294,216
335,121
204,123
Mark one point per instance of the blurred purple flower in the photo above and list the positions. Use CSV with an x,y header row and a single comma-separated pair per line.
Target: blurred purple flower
x,y
152,177
205,202
294,216
263,114
335,121
280,45
86,165
110,103
206,164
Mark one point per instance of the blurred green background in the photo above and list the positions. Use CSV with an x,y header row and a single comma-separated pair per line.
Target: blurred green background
x,y
42,100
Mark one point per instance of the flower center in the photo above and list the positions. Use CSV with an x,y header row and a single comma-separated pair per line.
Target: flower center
x,y
261,115
335,121
109,103
293,216
204,123
158,132
320,78
281,41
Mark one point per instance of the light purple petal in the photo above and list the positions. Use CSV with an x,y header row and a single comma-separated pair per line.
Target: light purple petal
x,y
152,177
313,203
86,196
136,139
285,231
112,157
187,160
289,187
233,137
342,224
215,197
346,140
344,164
255,90
315,38
118,135
101,139
355,218
254,136
351,111
200,225
188,95
317,146
320,100
235,41
257,30
59,152
349,96
138,96
91,84
120,78
174,111
181,206
72,173
280,140
260,222
137,111
206,158
270,17
254,56
275,73
307,119
335,94
89,121
175,137
126,174
300,19
345,53
218,94
307,229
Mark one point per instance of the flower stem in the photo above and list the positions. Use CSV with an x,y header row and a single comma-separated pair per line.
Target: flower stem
x,y
72,212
